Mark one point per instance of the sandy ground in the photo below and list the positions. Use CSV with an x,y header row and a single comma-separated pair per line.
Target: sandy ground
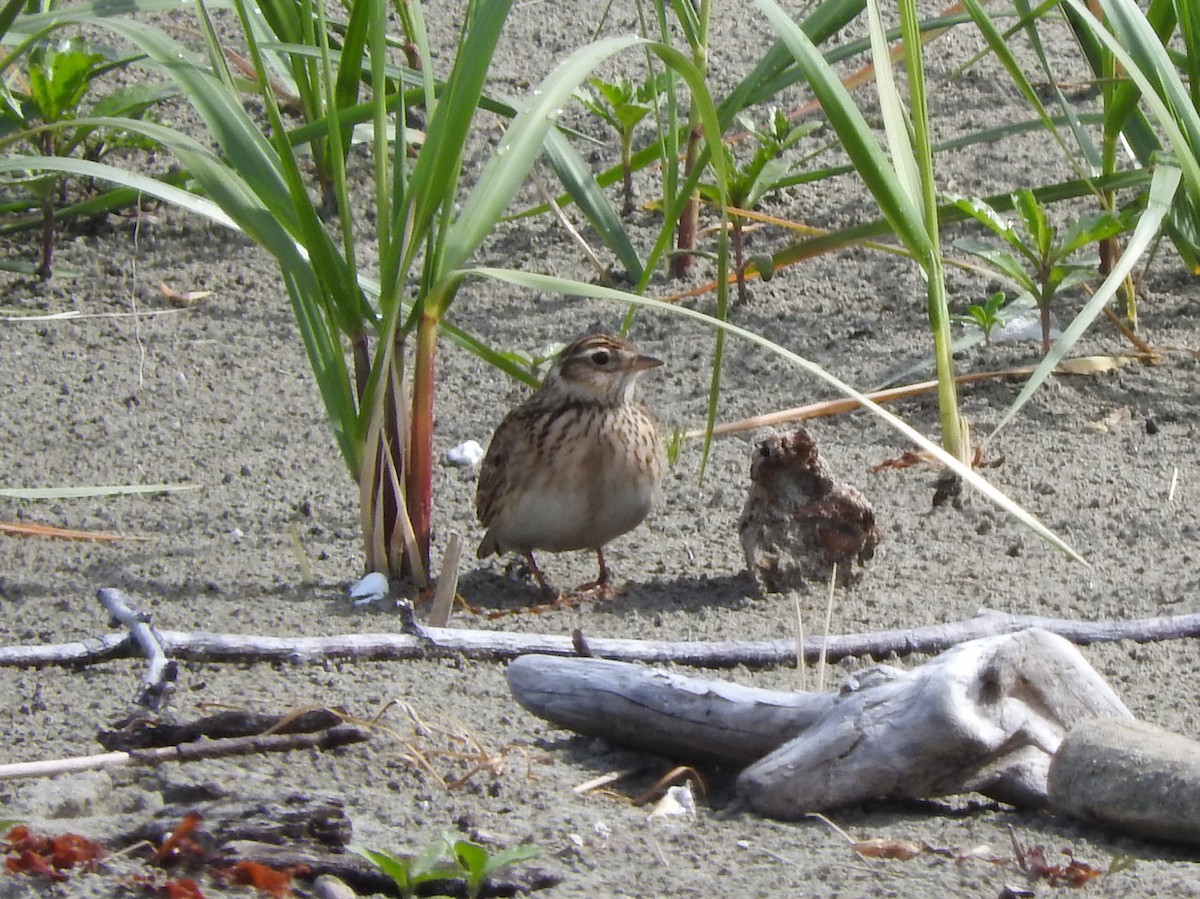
x,y
219,397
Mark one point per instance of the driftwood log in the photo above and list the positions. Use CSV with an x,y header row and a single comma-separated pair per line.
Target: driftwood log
x,y
985,716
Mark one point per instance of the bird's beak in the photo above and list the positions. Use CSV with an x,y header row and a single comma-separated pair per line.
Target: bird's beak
x,y
641,363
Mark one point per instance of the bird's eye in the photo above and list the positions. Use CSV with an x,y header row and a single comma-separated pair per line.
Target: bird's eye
x,y
600,357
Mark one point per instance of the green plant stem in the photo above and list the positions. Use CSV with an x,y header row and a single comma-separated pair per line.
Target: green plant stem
x,y
47,147
739,264
627,170
939,308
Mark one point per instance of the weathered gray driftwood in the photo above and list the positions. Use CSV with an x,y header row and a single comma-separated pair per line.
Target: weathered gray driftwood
x,y
1132,775
437,642
985,716
158,683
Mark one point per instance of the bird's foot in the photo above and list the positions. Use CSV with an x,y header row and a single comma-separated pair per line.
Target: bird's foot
x,y
600,589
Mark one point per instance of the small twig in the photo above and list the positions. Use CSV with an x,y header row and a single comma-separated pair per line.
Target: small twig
x,y
158,683
133,307
579,641
498,645
801,670
604,780
561,218
447,584
843,405
341,735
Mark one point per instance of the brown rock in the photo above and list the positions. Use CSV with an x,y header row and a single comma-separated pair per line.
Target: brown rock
x,y
798,522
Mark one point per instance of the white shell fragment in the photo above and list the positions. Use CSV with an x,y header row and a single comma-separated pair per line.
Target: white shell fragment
x,y
369,589
465,455
1024,328
678,801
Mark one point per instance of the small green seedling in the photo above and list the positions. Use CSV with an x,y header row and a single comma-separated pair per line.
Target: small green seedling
x,y
754,178
478,864
445,859
674,446
410,872
1036,257
623,105
986,317
41,106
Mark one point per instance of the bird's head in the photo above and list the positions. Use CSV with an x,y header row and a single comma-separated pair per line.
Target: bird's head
x,y
599,368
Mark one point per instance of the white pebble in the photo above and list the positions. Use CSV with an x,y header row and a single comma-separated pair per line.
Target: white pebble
x,y
467,455
369,589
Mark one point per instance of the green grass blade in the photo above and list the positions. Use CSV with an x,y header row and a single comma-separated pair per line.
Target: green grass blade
x,y
581,186
999,44
520,148
1189,34
435,176
895,117
855,134
1139,50
85,168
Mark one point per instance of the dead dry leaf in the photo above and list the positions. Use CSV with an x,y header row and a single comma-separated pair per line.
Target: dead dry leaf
x,y
182,300
881,847
1092,365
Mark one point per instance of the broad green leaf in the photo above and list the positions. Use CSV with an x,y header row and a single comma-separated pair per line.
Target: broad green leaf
x,y
985,213
1088,229
512,856
132,99
1033,218
999,259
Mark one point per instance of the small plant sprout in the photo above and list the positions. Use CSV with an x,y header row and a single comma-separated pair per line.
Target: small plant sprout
x,y
477,864
986,317
1036,257
447,859
756,177
410,872
40,105
623,104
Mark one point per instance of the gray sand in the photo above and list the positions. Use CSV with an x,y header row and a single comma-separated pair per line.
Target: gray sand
x,y
219,397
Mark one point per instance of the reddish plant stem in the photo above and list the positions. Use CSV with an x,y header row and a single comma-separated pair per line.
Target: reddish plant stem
x,y
418,480
689,218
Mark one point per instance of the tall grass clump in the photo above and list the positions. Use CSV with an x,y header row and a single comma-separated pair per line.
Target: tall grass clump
x,y
371,336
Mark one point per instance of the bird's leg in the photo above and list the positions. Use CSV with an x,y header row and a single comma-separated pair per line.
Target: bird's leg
x,y
601,587
603,580
546,586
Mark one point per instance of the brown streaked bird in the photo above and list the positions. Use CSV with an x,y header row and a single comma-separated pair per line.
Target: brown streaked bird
x,y
576,465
